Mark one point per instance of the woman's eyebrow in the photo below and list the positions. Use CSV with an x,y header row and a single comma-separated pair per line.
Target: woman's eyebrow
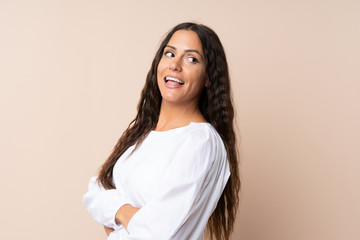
x,y
187,50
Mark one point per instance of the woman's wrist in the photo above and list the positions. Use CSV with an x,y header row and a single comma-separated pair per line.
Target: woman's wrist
x,y
118,217
124,214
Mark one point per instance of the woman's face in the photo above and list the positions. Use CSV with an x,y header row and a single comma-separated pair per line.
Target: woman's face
x,y
181,70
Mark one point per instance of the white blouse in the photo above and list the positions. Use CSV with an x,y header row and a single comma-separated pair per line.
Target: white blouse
x,y
175,177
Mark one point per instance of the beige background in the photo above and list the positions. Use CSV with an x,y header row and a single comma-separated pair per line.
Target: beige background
x,y
71,74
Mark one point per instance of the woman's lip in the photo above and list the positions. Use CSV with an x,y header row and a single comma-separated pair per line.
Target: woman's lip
x,y
172,84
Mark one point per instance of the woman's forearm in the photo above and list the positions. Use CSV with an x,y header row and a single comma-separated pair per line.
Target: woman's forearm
x,y
125,213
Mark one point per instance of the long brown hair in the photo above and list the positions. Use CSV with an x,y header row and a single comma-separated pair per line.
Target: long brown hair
x,y
216,106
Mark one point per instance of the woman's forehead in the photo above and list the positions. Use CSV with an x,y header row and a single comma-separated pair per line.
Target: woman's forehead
x,y
183,40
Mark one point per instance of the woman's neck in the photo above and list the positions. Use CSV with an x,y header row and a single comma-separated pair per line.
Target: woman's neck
x,y
176,115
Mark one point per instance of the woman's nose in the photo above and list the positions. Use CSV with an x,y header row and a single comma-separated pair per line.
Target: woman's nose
x,y
175,65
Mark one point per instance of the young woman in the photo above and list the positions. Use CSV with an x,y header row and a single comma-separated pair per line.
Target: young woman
x,y
174,171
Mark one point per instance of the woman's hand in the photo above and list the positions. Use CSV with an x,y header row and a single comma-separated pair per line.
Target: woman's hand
x,y
125,213
108,230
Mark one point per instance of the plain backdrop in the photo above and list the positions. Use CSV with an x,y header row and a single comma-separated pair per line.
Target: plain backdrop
x,y
71,72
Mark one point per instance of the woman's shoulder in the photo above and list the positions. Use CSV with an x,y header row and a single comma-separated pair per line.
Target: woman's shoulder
x,y
192,128
205,134
195,134
202,130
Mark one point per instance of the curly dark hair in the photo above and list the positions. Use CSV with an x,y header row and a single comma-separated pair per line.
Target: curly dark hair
x,y
215,105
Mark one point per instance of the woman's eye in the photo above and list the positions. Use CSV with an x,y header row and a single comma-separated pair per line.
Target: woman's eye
x,y
193,60
169,54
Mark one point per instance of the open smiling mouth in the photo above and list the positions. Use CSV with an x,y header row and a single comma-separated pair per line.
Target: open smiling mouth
x,y
167,79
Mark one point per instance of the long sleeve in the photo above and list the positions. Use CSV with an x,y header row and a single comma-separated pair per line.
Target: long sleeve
x,y
192,184
103,204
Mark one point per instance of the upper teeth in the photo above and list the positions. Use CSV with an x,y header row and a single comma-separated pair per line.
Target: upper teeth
x,y
174,79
